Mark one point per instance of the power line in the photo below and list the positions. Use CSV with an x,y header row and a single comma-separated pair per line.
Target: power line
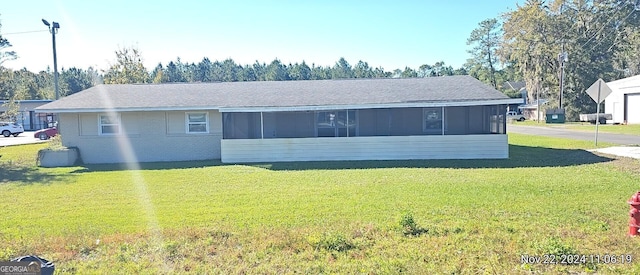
x,y
10,33
605,25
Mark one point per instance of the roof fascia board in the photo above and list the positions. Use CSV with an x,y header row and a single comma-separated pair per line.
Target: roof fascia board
x,y
373,106
291,108
138,109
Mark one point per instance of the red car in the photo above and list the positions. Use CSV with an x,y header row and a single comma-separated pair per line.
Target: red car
x,y
46,133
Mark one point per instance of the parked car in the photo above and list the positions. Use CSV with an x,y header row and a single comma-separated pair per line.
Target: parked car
x,y
11,128
515,116
45,134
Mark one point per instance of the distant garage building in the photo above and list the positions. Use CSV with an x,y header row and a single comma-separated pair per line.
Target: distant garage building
x,y
455,117
624,101
27,115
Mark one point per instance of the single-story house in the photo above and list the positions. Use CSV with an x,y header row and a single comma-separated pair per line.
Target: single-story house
x,y
27,116
624,101
454,117
534,110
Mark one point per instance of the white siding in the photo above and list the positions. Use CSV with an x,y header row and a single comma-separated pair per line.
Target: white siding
x,y
147,137
366,148
615,102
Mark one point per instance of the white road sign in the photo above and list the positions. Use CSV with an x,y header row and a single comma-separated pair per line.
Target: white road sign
x,y
598,91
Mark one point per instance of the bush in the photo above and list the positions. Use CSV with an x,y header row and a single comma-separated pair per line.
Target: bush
x,y
55,144
332,242
409,226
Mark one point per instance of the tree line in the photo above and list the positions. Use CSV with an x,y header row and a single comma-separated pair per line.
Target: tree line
x,y
130,69
601,39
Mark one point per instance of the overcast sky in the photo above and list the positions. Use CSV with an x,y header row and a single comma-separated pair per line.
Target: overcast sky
x,y
388,34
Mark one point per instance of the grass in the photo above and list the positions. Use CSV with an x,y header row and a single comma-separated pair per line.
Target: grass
x,y
630,129
445,216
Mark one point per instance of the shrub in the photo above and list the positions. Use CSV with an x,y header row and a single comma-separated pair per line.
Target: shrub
x,y
332,242
409,226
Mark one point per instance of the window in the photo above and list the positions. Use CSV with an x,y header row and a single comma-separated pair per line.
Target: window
x,y
336,123
198,122
109,124
432,120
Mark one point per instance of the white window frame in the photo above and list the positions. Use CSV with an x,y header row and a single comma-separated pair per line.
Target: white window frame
x,y
187,122
118,125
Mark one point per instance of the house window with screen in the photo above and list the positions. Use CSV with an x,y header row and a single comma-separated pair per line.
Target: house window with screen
x,y
197,123
109,124
432,120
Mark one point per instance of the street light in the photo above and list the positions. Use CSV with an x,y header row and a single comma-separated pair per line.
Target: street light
x,y
53,29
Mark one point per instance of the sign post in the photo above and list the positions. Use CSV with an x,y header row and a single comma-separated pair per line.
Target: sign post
x,y
598,91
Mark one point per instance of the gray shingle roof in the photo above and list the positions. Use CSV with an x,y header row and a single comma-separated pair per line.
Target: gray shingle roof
x,y
276,94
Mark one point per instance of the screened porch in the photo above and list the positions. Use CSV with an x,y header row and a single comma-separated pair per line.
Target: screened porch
x,y
459,120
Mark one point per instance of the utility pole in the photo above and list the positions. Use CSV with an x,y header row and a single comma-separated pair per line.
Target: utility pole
x,y
562,57
53,29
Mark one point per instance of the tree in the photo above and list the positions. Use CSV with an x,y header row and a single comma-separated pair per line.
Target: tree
x,y
12,108
275,71
319,72
486,39
4,54
300,71
441,69
408,72
173,73
230,70
362,70
379,72
259,70
342,69
595,34
158,76
397,73
247,74
424,70
460,71
127,69
11,105
7,83
529,45
74,80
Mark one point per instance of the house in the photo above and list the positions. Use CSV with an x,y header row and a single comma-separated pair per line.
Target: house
x,y
534,110
454,117
624,101
27,116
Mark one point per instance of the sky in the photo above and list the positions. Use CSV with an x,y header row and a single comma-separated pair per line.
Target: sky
x,y
387,34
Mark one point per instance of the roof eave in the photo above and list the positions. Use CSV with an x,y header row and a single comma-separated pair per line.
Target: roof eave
x,y
288,108
131,109
374,106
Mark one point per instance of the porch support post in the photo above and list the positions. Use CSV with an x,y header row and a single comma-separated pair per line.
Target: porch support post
x,y
261,126
347,110
443,119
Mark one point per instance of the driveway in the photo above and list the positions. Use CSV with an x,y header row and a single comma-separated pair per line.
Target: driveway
x,y
620,139
24,138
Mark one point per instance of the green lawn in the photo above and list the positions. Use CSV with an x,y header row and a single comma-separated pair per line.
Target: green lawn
x,y
446,216
631,129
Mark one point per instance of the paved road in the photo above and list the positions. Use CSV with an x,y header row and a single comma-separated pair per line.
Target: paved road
x,y
574,134
24,138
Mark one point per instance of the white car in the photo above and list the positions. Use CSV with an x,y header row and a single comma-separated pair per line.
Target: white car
x,y
515,116
8,129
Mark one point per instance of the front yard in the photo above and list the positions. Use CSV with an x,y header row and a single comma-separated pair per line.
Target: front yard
x,y
454,216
